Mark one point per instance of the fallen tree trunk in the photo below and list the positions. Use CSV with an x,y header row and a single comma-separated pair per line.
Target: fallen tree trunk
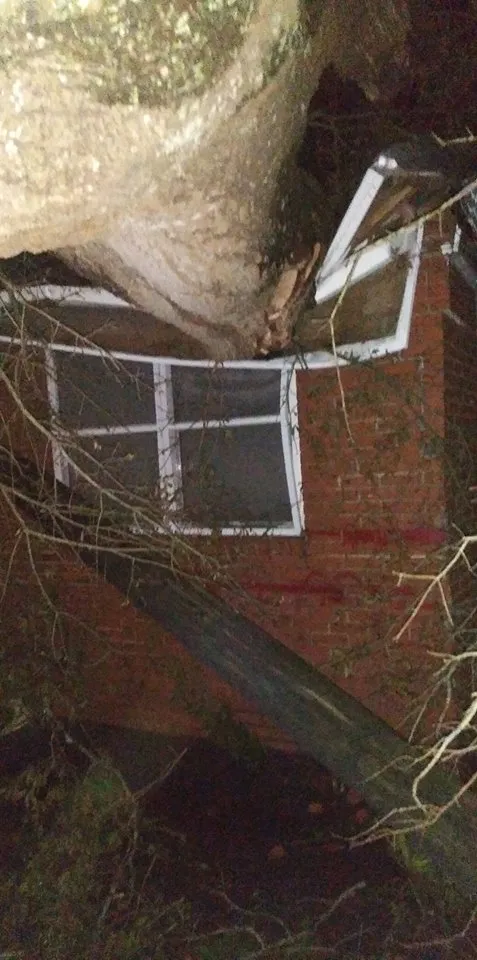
x,y
153,145
324,721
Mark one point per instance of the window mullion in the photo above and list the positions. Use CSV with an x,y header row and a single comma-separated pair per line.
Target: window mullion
x,y
225,424
116,431
290,443
60,462
170,473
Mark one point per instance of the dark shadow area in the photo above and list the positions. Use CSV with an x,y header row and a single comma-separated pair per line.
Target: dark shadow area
x,y
257,844
437,95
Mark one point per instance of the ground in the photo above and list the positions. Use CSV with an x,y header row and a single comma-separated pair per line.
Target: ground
x,y
269,839
261,847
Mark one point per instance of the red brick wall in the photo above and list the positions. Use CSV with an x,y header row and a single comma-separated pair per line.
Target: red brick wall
x,y
460,377
460,395
373,474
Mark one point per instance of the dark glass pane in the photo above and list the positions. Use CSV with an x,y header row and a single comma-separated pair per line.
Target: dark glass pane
x,y
95,392
202,393
463,288
129,460
234,475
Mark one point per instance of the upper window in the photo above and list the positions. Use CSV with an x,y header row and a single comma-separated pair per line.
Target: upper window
x,y
216,447
367,280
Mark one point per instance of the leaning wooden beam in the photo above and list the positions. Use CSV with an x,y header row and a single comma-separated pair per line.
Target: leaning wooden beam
x,y
327,723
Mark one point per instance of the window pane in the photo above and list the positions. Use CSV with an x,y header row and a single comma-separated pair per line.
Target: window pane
x,y
128,460
204,393
95,392
370,310
463,286
234,475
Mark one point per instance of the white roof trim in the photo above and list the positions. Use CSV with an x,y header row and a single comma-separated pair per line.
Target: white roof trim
x,y
74,296
320,359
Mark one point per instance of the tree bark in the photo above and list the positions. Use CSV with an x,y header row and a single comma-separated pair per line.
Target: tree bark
x,y
324,721
157,151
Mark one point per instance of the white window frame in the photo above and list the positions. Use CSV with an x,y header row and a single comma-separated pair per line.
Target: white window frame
x,y
167,429
399,340
344,266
